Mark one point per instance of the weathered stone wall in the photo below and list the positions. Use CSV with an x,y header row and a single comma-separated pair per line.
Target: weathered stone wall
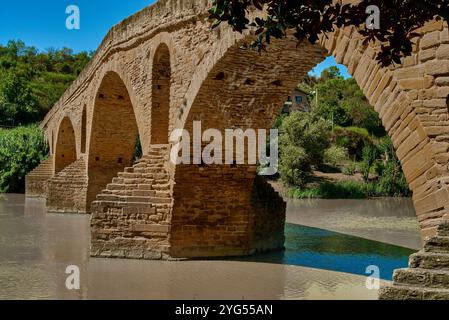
x,y
65,149
211,214
215,215
36,181
66,191
131,217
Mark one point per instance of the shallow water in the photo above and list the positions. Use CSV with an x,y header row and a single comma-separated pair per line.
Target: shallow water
x,y
36,248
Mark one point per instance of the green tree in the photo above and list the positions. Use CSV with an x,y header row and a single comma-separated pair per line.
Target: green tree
x,y
370,155
21,150
307,20
303,141
32,81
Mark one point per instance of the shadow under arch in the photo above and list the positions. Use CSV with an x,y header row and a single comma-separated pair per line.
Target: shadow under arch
x,y
160,98
65,148
113,134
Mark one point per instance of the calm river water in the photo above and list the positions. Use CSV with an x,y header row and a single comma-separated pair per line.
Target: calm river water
x,y
329,245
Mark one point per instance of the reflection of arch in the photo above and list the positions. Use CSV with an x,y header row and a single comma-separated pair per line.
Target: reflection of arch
x,y
113,134
83,130
160,109
65,149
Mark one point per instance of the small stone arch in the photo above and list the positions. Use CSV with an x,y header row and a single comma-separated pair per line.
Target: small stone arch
x,y
65,148
160,95
84,129
113,134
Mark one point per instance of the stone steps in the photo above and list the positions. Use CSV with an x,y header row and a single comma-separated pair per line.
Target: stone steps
x,y
398,292
422,278
36,180
437,244
429,260
44,169
67,189
147,182
427,277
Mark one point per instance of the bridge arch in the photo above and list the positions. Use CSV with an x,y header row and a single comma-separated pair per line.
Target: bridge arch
x,y
245,89
65,145
113,134
84,129
160,94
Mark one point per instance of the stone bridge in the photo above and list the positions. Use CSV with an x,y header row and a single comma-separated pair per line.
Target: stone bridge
x,y
164,68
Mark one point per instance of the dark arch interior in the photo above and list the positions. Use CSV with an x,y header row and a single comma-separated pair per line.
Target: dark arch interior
x,y
160,96
113,135
83,130
65,146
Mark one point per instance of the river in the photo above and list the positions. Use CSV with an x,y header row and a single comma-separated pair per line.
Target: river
x,y
330,243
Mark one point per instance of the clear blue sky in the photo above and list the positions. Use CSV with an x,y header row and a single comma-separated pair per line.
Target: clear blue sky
x,y
329,62
42,24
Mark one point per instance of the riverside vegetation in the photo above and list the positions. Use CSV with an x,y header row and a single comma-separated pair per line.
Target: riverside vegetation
x,y
30,84
339,149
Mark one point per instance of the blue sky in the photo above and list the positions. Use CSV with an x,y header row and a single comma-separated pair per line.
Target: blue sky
x,y
42,24
329,62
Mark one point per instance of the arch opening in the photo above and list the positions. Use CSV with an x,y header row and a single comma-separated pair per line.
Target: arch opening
x,y
250,104
113,136
161,82
83,130
65,152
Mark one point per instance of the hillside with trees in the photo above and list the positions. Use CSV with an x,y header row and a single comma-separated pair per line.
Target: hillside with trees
x,y
340,149
30,84
32,81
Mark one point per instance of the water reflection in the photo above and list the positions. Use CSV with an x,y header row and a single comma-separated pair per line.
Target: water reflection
x,y
322,249
389,220
36,248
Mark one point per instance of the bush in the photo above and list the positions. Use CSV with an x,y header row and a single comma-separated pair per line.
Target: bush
x,y
337,190
21,150
335,155
353,139
344,190
350,169
392,181
370,154
303,140
294,166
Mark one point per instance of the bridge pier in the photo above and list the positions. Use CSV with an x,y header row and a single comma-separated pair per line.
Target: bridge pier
x,y
67,190
219,211
224,210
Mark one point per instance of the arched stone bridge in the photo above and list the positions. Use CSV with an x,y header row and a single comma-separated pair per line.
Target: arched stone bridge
x,y
163,68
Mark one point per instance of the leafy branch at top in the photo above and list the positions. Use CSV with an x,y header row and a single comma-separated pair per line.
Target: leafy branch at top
x,y
310,18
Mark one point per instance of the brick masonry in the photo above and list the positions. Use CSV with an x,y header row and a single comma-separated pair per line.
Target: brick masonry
x,y
166,57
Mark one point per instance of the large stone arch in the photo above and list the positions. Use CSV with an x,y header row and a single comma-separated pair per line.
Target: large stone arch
x,y
245,89
113,134
215,206
65,146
